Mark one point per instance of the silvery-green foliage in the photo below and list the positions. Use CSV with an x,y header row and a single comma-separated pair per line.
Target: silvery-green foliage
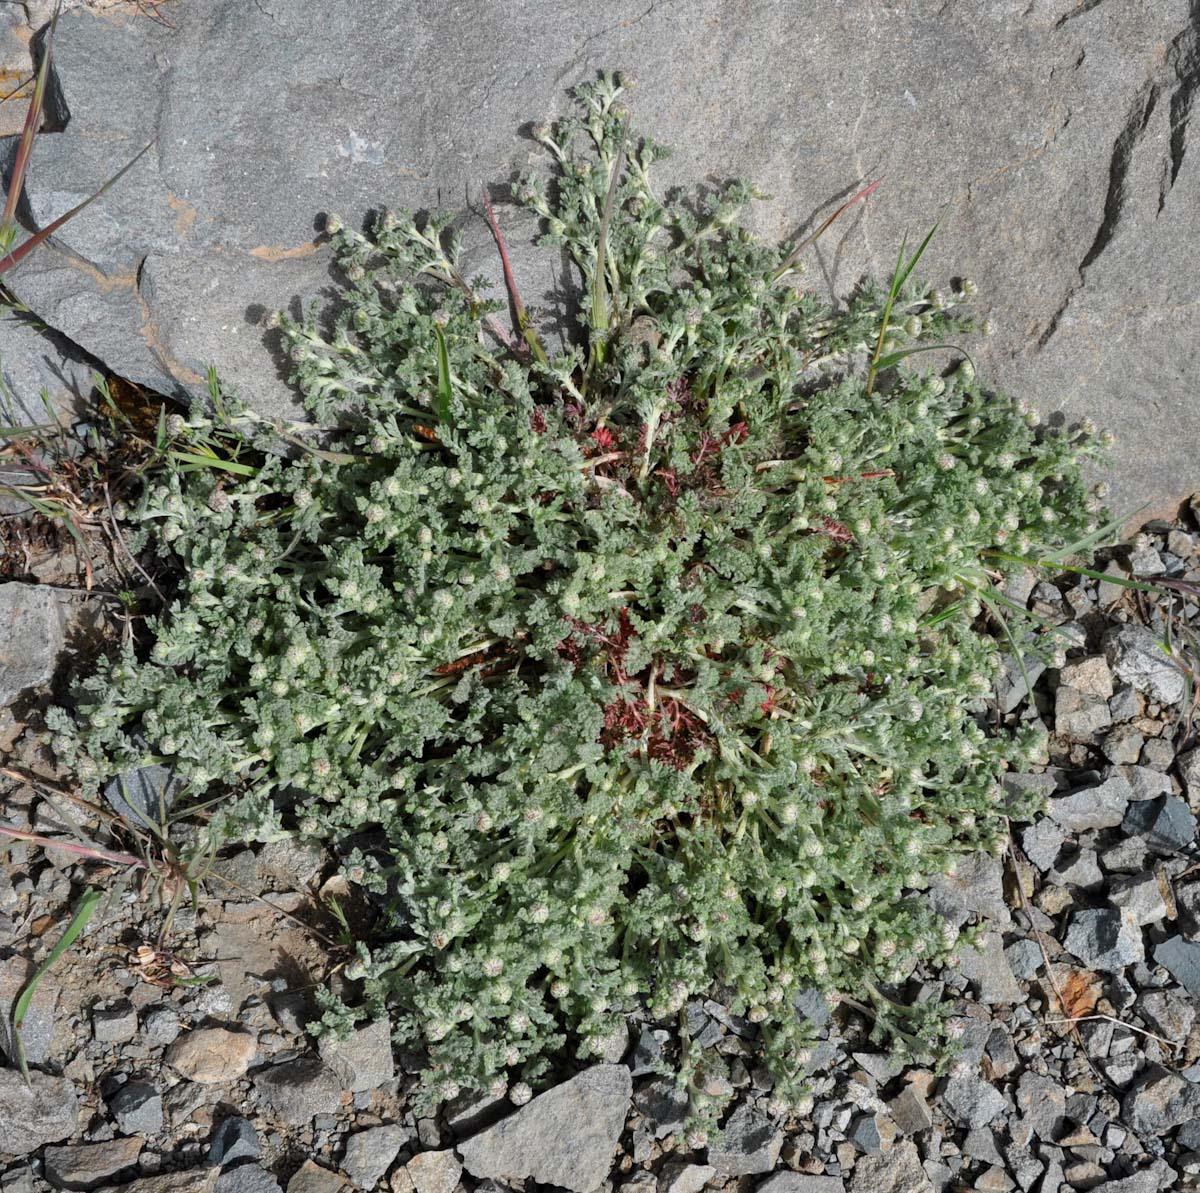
x,y
616,674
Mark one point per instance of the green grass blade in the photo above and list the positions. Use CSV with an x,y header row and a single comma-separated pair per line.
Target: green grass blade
x,y
1047,627
994,610
23,250
899,276
886,317
899,279
1111,527
444,390
894,358
83,913
1053,564
214,462
31,429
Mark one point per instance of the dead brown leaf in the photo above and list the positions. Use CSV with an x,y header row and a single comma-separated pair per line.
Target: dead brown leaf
x,y
1080,993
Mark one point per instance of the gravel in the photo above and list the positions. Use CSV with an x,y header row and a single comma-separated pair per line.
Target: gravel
x,y
1160,1101
212,1055
662,1104
910,1112
972,1101
749,1143
311,1177
1181,959
566,1136
1102,806
1042,841
89,1165
796,1182
370,1153
246,1178
897,1171
1043,1105
235,1139
1166,823
114,1025
1105,939
1141,896
435,1172
364,1060
298,1090
138,1108
1136,658
44,1111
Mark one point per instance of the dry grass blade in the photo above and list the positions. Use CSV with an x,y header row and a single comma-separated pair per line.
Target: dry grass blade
x,y
95,853
22,251
150,8
287,915
1172,1044
120,538
790,259
1071,1024
33,120
524,323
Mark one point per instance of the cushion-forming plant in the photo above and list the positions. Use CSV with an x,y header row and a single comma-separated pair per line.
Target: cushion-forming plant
x,y
616,673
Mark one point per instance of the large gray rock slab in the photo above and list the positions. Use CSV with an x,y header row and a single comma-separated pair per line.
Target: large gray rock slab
x,y
1051,137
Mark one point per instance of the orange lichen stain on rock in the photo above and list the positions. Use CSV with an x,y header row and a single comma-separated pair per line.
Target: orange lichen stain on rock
x,y
276,252
16,86
185,214
159,350
106,283
13,80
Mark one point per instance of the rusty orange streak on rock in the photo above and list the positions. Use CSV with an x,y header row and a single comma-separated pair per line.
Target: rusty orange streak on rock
x,y
276,252
185,214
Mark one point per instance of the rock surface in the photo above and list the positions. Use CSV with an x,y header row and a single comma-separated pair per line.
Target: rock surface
x,y
370,1153
589,1111
36,625
34,362
89,1165
299,1089
45,1111
1053,134
212,1054
38,1027
363,1060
